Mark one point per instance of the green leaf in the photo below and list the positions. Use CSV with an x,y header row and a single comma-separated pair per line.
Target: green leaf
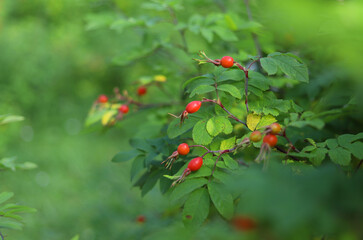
x,y
288,64
332,143
204,171
233,74
125,156
186,187
230,162
340,156
4,196
224,33
259,81
207,34
10,224
269,65
219,124
196,208
194,79
175,130
137,166
231,90
318,155
150,182
202,89
228,143
345,139
356,149
221,199
200,133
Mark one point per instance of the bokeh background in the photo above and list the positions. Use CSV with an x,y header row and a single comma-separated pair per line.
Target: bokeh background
x,y
57,56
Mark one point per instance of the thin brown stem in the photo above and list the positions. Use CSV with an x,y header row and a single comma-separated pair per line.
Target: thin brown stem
x,y
229,113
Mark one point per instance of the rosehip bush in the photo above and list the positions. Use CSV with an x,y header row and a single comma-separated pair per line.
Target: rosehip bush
x,y
234,117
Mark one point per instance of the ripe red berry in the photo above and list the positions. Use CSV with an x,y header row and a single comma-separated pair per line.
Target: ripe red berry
x,y
275,128
227,61
195,164
256,136
141,90
124,109
270,139
183,149
243,223
102,99
141,219
194,106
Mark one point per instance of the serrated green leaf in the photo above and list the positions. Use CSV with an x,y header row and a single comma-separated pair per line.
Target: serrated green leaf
x,y
265,121
231,90
221,199
340,156
259,81
233,74
228,143
288,64
318,155
345,139
200,133
196,208
356,149
219,124
269,65
332,143
202,89
230,162
186,187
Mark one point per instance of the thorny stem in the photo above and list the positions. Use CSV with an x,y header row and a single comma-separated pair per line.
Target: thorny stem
x,y
229,113
289,141
284,151
249,66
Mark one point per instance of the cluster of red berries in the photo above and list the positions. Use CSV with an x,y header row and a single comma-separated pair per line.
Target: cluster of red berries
x,y
195,163
142,90
270,138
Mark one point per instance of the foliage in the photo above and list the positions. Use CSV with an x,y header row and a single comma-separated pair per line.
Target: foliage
x,y
215,130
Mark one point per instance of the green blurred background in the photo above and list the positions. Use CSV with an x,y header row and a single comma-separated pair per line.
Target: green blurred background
x,y
57,56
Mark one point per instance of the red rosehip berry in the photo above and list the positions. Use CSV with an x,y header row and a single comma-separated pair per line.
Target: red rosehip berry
x,y
124,109
227,61
102,99
141,219
195,164
183,149
256,136
141,90
270,139
243,223
193,107
275,128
